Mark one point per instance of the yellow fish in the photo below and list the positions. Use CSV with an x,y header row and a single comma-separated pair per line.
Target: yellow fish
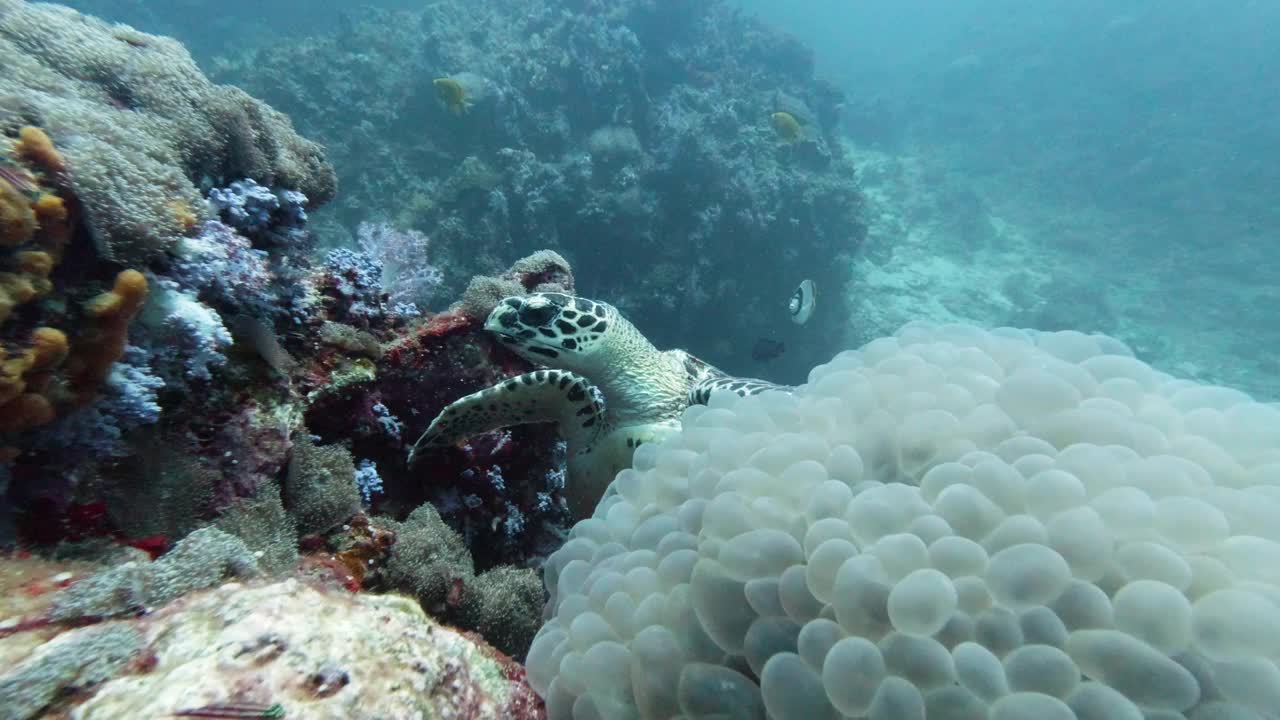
x,y
452,94
786,125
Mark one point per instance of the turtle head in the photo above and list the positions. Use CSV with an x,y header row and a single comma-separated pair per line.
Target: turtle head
x,y
553,329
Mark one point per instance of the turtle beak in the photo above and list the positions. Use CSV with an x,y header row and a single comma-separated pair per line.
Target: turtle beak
x,y
502,318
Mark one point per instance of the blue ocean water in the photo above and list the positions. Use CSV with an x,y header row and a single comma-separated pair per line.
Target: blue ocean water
x,y
1124,143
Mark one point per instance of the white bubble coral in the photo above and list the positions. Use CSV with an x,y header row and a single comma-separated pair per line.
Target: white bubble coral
x,y
951,522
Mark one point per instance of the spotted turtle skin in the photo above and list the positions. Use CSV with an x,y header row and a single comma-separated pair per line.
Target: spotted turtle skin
x,y
605,385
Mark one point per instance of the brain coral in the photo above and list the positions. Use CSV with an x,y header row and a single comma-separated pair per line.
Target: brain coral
x,y
951,521
139,125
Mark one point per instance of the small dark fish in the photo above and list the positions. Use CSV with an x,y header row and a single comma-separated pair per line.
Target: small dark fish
x,y
261,337
766,349
234,710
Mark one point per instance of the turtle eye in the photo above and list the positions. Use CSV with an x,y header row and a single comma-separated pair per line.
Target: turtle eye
x,y
537,315
507,319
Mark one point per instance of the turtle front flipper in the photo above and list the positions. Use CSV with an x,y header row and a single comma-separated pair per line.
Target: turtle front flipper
x,y
557,396
700,393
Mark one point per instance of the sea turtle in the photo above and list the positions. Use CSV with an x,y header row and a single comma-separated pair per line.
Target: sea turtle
x,y
609,389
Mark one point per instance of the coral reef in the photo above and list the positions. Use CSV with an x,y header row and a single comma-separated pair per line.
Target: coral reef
x,y
320,486
77,660
624,135
125,413
430,561
197,387
200,560
499,491
139,126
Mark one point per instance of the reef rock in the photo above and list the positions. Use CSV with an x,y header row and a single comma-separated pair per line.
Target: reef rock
x,y
314,652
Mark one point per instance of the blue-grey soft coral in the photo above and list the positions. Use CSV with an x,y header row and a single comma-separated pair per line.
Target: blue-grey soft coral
x,y
221,266
355,277
128,401
130,392
187,337
261,212
368,481
390,424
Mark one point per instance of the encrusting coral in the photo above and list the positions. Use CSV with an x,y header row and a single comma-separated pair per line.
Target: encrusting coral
x,y
136,126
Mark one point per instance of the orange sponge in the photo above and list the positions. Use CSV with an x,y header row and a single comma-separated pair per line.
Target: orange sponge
x,y
17,219
102,344
35,262
49,347
24,412
35,147
11,383
183,214
49,208
123,300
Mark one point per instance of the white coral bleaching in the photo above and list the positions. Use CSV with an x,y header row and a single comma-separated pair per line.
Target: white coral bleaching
x,y
951,523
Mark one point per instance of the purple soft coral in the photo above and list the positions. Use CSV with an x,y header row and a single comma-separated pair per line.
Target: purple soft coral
x,y
222,267
407,276
260,212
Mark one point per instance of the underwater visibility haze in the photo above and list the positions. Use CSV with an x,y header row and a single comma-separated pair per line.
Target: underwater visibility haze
x,y
639,359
